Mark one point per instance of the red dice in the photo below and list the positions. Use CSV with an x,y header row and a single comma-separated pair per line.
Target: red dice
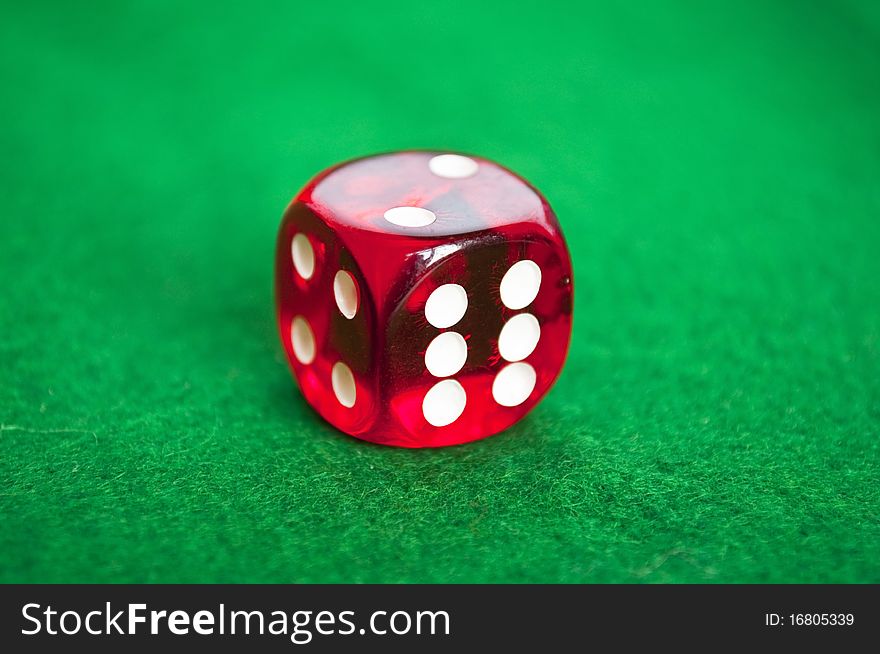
x,y
423,299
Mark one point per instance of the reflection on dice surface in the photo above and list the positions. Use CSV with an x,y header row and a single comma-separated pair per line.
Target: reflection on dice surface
x,y
423,299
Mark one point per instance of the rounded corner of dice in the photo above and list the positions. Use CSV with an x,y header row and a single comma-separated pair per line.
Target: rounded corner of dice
x,y
423,298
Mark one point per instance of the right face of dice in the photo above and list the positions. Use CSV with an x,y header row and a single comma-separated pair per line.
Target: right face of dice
x,y
423,299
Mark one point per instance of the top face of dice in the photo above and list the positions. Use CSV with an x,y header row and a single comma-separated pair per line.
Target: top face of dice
x,y
426,195
424,299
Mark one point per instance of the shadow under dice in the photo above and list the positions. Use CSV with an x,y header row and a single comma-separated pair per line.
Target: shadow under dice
x,y
423,299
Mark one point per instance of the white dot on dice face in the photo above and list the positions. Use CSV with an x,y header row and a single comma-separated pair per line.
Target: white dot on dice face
x,y
343,384
345,291
520,284
453,166
446,354
513,384
519,337
446,305
303,256
303,340
444,403
410,216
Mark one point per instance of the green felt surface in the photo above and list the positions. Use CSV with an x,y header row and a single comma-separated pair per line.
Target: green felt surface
x,y
716,172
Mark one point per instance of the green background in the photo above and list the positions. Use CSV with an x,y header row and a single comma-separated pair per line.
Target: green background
x,y
717,173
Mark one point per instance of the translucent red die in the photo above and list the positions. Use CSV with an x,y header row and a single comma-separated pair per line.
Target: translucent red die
x,y
423,299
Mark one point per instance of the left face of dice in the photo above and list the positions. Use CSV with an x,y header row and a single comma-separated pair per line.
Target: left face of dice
x,y
438,308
